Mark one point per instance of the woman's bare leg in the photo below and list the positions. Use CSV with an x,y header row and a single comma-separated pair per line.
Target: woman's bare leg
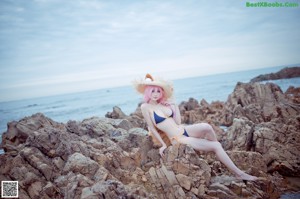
x,y
215,146
201,130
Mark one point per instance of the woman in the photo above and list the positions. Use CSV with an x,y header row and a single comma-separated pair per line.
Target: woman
x,y
161,114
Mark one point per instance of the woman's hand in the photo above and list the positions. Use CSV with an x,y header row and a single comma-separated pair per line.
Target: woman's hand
x,y
161,150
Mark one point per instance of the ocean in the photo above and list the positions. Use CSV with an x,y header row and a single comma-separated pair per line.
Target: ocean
x,y
78,106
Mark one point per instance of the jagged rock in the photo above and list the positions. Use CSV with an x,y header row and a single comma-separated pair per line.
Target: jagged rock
x,y
135,119
60,163
277,142
293,91
259,102
186,169
134,139
191,104
78,163
293,94
256,102
116,114
215,113
240,135
20,131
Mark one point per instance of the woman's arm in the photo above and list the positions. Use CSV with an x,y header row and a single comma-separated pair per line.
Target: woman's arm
x,y
177,117
151,127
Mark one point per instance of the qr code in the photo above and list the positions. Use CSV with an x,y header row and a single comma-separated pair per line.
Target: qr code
x,y
9,189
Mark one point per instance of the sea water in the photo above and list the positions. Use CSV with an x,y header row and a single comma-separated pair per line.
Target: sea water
x,y
78,106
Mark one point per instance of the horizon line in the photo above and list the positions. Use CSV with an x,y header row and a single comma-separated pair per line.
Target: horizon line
x,y
206,75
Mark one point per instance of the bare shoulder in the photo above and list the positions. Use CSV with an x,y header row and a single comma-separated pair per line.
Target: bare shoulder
x,y
145,106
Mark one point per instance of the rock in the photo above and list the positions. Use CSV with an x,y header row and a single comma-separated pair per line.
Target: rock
x,y
279,145
293,91
217,186
73,127
34,189
38,161
101,126
277,142
116,114
191,104
184,181
58,162
258,102
240,135
286,73
18,132
78,163
132,139
293,94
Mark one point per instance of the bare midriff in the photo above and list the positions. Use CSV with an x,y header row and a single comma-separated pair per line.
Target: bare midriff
x,y
170,128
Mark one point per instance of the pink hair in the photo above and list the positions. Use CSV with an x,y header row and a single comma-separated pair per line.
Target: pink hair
x,y
147,94
148,91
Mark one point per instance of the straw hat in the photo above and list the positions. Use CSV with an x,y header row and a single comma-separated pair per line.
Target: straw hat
x,y
140,85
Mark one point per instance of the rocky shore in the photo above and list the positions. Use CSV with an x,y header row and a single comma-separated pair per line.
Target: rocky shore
x,y
113,157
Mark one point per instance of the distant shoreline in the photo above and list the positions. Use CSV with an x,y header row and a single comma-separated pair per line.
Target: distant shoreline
x,y
285,73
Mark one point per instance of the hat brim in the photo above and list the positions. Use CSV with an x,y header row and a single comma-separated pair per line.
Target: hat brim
x,y
167,87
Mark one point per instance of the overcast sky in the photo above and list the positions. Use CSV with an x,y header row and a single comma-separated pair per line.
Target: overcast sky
x,y
50,47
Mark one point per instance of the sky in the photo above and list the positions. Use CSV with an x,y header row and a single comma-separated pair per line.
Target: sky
x,y
50,47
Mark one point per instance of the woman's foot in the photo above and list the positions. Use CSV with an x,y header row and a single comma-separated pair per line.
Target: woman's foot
x,y
245,176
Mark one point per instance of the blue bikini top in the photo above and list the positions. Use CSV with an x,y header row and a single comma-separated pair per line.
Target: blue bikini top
x,y
159,119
